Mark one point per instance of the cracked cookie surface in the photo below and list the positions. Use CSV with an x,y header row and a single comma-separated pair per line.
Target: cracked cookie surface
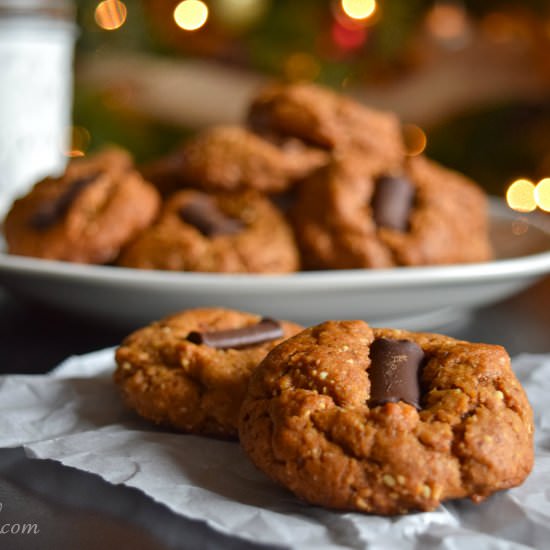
x,y
231,158
325,119
335,226
190,387
227,158
264,244
306,422
97,206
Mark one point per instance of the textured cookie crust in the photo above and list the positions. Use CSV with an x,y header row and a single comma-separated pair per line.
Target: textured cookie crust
x,y
305,422
265,245
189,387
335,229
326,119
103,216
228,158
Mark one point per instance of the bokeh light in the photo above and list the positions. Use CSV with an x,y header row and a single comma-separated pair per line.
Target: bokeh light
x,y
191,15
238,14
79,140
358,9
415,139
520,196
542,194
447,21
347,38
519,227
110,14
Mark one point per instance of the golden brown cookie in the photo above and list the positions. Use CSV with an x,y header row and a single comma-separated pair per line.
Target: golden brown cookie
x,y
228,158
326,119
358,212
328,416
169,377
86,215
231,232
231,158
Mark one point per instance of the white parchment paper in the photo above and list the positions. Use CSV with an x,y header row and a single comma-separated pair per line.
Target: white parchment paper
x,y
74,415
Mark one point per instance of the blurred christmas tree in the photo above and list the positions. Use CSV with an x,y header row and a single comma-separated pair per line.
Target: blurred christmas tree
x,y
475,77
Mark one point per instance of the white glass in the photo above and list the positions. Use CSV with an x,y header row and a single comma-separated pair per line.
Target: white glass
x,y
36,55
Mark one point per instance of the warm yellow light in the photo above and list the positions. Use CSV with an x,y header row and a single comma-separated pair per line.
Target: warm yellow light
x,y
520,196
110,14
79,141
415,139
358,9
542,194
191,15
239,14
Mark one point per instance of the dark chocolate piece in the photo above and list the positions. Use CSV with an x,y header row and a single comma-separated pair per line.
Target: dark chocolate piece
x,y
203,214
264,331
392,202
48,213
393,372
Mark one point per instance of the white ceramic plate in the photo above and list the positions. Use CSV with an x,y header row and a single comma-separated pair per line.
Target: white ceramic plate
x,y
419,298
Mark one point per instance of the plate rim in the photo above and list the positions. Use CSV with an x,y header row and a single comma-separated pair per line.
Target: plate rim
x,y
525,266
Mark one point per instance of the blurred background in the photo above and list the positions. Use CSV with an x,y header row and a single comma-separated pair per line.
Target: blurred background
x,y
470,80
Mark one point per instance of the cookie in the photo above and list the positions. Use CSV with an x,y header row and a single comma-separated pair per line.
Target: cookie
x,y
361,213
323,118
231,158
86,215
228,158
189,371
230,232
387,421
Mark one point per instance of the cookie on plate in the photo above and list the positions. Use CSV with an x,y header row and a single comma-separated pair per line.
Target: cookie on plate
x,y
189,371
228,232
359,213
232,158
387,421
86,215
325,119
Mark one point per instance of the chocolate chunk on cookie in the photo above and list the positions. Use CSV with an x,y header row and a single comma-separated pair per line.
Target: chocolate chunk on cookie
x,y
227,232
392,202
358,212
50,212
202,212
326,119
394,372
265,330
86,215
315,421
171,373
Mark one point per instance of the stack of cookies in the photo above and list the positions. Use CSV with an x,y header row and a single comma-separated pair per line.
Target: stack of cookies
x,y
344,415
312,180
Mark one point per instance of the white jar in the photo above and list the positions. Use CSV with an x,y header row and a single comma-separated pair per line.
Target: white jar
x,y
36,54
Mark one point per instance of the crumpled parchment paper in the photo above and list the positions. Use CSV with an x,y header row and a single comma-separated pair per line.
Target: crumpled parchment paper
x,y
74,415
